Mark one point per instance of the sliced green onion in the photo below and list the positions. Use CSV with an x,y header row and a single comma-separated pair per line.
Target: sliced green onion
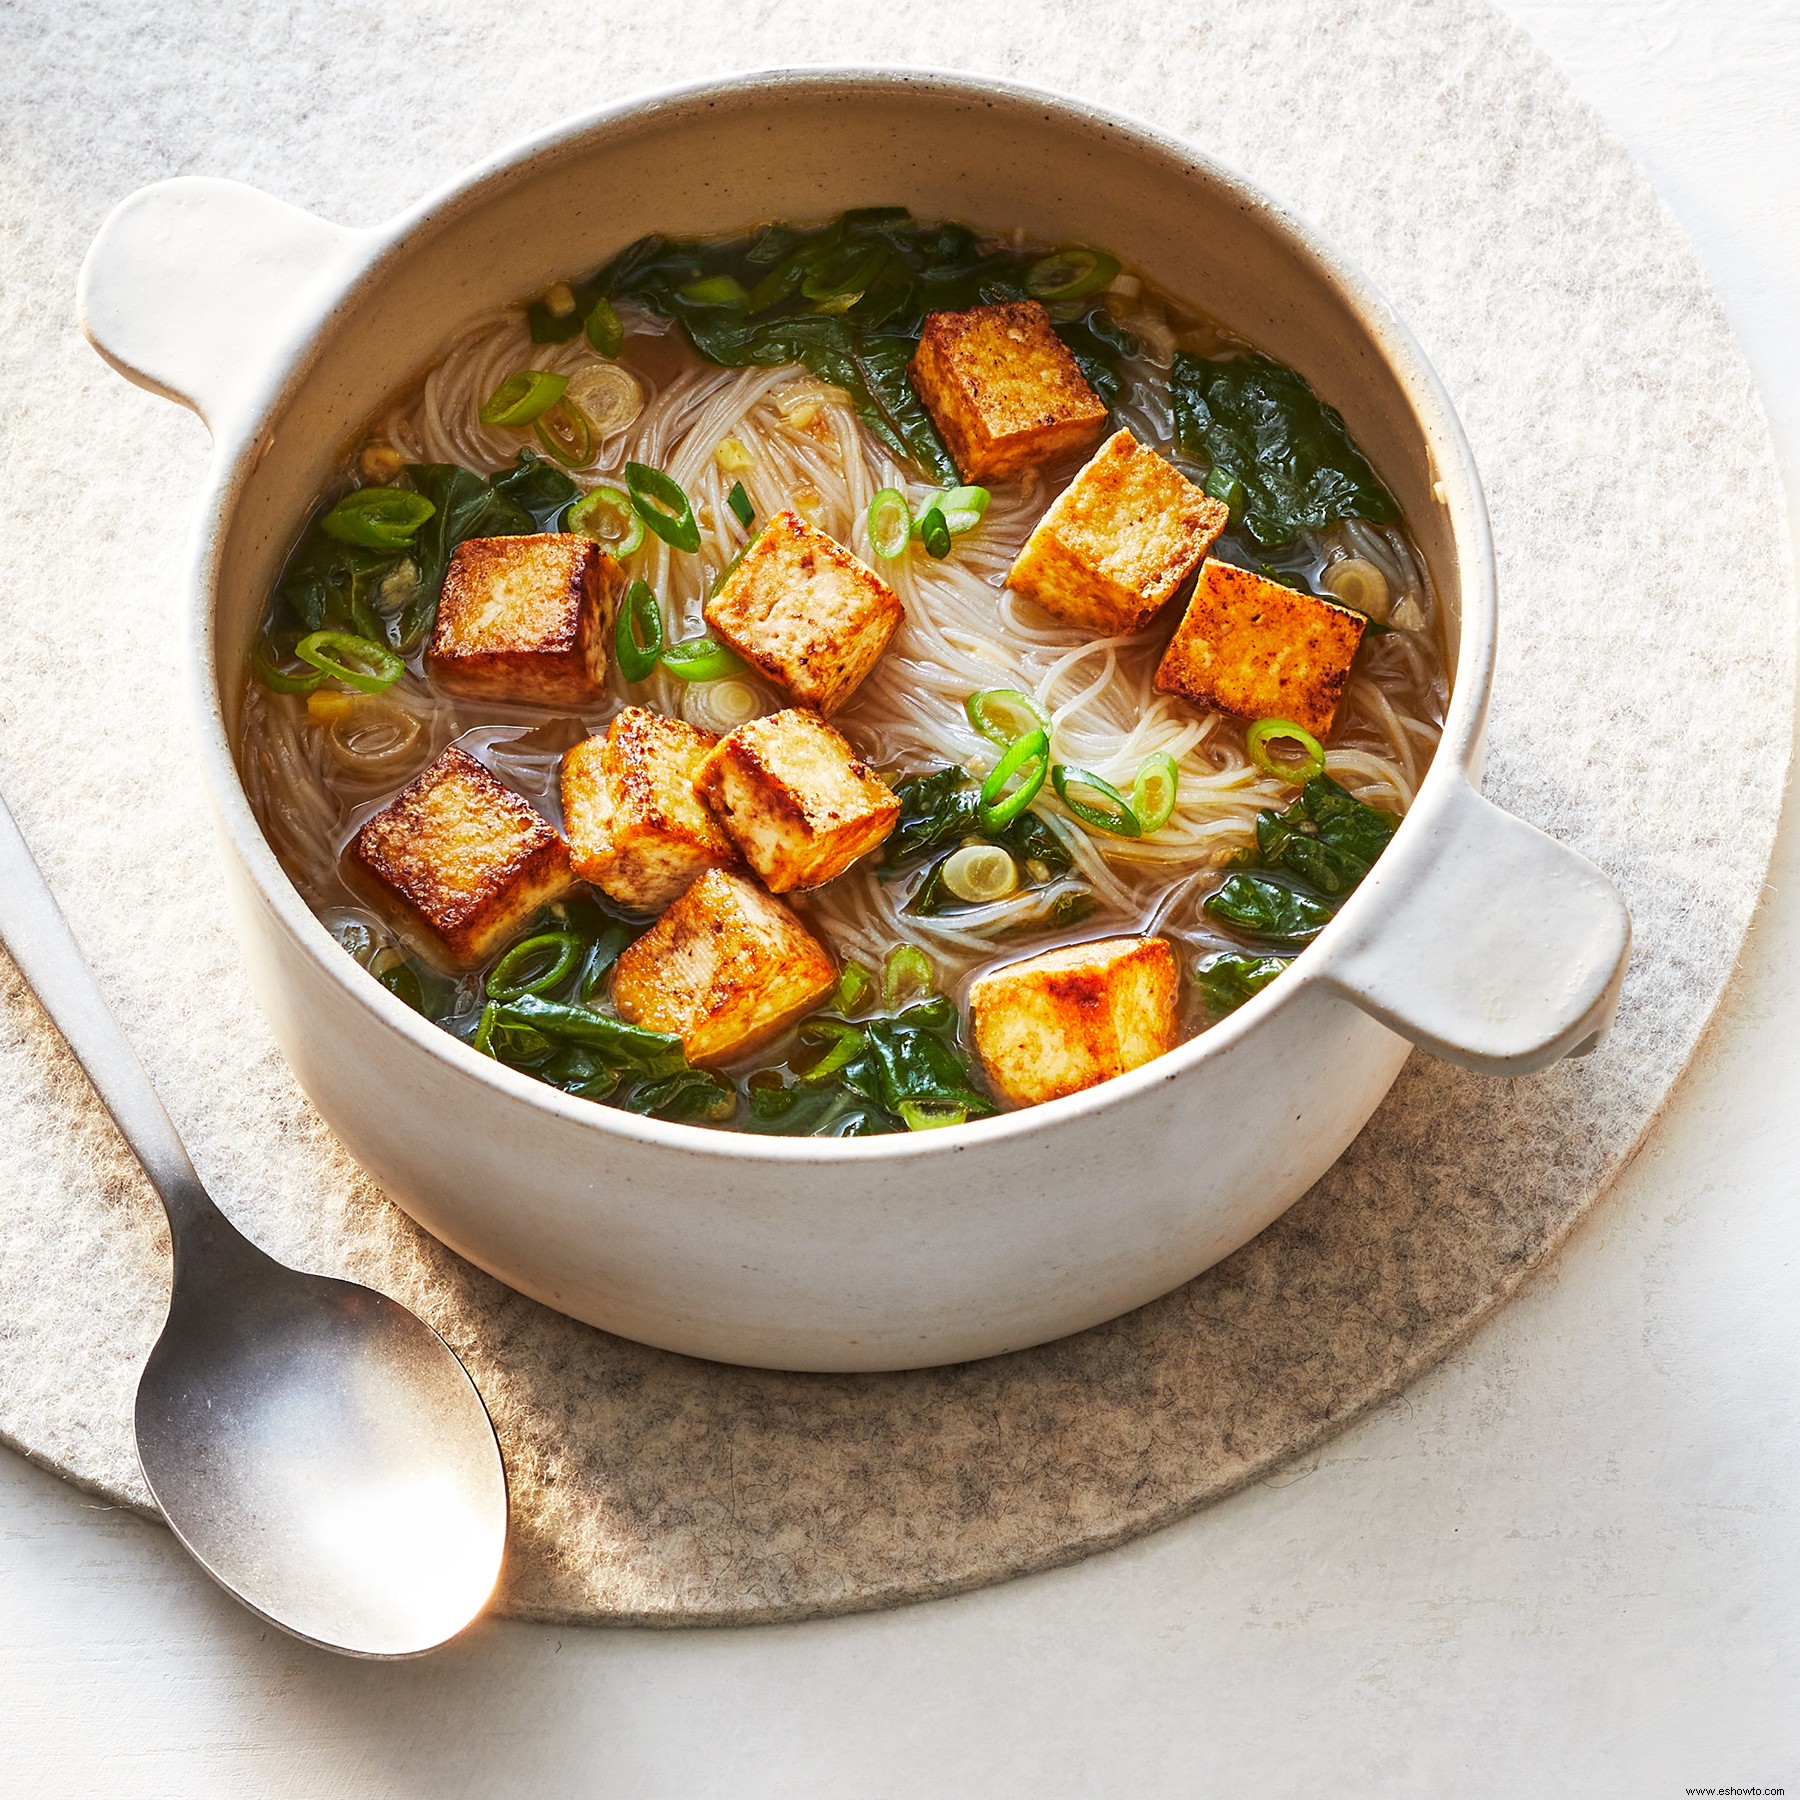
x,y
663,505
934,530
483,1040
890,523
279,680
1153,792
702,659
852,989
604,331
358,662
638,633
741,508
847,1044
726,573
1025,761
980,873
522,399
378,518
988,709
606,515
715,290
962,508
1095,802
1071,273
1223,485
907,967
567,434
1267,732
932,1115
534,965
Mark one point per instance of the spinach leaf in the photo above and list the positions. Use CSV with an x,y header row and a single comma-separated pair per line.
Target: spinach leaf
x,y
1226,980
1270,907
538,486
938,810
1307,859
911,1058
329,585
1263,424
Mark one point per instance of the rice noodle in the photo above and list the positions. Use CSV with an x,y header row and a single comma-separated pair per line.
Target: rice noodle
x,y
806,448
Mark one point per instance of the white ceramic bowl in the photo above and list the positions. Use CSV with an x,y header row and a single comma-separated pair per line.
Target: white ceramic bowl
x,y
1476,937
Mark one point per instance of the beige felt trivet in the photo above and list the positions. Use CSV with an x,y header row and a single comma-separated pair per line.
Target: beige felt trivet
x,y
1647,639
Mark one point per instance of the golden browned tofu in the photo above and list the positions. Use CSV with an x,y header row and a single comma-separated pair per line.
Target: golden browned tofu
x,y
725,968
1071,1018
526,618
1003,389
796,800
1261,650
637,830
1118,541
805,612
460,860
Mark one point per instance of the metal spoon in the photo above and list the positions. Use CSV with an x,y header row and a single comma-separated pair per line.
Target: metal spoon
x,y
318,1448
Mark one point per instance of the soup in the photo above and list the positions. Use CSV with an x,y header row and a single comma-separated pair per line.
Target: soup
x,y
842,680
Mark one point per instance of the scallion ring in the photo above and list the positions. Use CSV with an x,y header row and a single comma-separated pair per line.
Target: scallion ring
x,y
610,395
890,523
279,680
1014,781
358,662
853,988
606,515
534,966
567,434
1071,273
962,508
663,505
934,530
742,508
702,659
981,873
989,710
638,632
604,332
907,967
1095,802
1267,732
846,1045
932,1115
715,290
377,518
522,399
1153,792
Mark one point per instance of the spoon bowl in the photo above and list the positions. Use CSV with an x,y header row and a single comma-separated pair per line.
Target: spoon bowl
x,y
321,1453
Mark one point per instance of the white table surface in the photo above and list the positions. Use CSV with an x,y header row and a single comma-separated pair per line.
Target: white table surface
x,y
1566,1562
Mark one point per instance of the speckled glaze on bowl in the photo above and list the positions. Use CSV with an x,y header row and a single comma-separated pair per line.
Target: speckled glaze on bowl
x,y
1476,937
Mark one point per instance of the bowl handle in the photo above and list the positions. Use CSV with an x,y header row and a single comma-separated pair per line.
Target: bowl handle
x,y
194,286
1504,953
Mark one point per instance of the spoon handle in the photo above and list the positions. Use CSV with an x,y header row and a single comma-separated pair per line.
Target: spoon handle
x,y
34,930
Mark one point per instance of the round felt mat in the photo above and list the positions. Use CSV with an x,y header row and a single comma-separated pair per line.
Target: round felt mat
x,y
1647,596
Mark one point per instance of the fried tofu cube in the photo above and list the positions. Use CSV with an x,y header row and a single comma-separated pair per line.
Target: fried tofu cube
x,y
1261,650
725,968
1003,390
460,860
1071,1018
796,800
803,611
526,618
637,830
1118,541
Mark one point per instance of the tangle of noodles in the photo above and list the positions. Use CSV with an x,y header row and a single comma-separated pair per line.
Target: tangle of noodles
x,y
796,442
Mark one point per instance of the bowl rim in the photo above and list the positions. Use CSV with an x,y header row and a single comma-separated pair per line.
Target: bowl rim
x,y
292,359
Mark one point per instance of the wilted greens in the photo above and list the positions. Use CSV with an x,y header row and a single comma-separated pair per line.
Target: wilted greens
x,y
848,300
1263,428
